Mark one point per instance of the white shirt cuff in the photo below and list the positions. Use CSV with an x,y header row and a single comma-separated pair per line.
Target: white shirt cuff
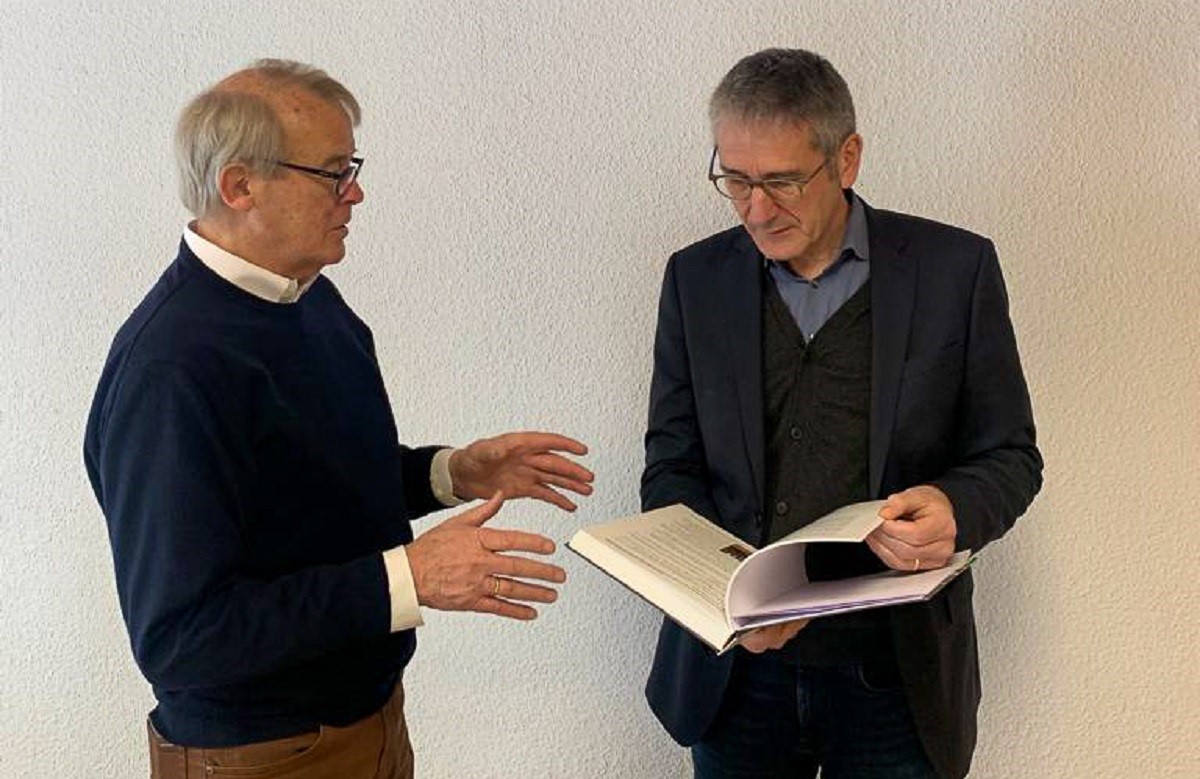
x,y
406,612
440,481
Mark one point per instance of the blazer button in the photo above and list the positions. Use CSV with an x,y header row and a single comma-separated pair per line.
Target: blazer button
x,y
781,507
795,433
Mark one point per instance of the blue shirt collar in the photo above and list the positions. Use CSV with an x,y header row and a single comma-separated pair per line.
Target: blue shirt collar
x,y
856,241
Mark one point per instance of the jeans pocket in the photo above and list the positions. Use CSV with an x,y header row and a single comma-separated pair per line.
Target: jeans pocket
x,y
878,678
268,760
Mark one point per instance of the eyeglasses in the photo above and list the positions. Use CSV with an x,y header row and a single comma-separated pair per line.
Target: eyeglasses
x,y
345,177
738,187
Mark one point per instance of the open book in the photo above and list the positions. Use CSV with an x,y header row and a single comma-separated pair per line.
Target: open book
x,y
718,587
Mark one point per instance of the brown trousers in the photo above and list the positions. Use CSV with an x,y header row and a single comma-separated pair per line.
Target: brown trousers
x,y
375,747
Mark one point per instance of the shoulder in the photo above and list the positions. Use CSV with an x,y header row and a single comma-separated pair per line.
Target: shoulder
x,y
325,299
956,256
192,326
925,235
715,247
725,257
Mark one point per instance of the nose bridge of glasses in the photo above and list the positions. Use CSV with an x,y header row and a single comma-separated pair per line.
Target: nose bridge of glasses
x,y
759,199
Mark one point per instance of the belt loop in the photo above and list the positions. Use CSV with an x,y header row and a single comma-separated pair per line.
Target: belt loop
x,y
167,760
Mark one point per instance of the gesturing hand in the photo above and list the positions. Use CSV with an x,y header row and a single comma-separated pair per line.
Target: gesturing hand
x,y
918,530
459,565
521,465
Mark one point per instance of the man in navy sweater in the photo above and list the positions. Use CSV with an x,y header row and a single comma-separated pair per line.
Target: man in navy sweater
x,y
242,447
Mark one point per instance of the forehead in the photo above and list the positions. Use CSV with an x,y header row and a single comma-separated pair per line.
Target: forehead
x,y
313,126
770,144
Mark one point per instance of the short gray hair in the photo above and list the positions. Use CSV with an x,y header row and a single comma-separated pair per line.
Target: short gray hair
x,y
230,124
787,84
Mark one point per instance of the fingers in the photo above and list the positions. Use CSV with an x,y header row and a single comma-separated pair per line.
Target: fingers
x,y
503,608
772,636
917,517
547,495
511,589
479,514
912,533
904,557
495,540
899,504
524,568
916,502
534,439
578,486
557,469
502,591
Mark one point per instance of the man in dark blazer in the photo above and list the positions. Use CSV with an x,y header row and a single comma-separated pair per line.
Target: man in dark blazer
x,y
822,353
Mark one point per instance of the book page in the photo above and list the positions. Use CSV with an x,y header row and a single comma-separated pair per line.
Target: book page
x,y
849,523
682,548
856,594
780,567
675,559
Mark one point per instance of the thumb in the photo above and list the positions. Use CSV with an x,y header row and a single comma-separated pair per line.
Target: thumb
x,y
898,504
477,516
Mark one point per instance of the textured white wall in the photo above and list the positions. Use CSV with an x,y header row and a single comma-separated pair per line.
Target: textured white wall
x,y
530,166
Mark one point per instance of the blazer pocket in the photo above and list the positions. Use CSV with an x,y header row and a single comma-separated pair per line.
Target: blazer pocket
x,y
947,358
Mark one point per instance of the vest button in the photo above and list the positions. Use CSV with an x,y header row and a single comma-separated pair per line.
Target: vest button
x,y
795,433
781,507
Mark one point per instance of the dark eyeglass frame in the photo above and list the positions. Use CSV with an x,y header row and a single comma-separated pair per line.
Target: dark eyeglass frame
x,y
780,188
345,177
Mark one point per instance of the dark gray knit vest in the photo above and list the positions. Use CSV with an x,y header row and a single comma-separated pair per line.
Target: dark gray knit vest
x,y
816,405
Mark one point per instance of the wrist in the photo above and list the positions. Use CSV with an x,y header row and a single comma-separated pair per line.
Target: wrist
x,y
442,481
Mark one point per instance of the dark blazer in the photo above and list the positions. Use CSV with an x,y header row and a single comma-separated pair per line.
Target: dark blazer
x,y
949,407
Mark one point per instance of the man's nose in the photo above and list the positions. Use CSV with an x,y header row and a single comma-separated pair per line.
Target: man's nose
x,y
759,207
354,195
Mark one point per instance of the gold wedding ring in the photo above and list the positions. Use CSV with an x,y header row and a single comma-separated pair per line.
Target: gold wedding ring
x,y
917,564
495,586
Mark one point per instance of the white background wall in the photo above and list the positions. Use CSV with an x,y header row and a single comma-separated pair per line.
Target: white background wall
x,y
529,168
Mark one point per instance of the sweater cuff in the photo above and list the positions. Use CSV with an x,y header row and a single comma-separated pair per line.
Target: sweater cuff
x,y
440,481
402,591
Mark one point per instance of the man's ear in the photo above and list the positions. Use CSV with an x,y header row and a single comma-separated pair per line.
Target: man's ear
x,y
234,184
849,159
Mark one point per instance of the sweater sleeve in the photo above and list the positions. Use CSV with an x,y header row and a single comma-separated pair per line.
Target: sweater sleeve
x,y
168,490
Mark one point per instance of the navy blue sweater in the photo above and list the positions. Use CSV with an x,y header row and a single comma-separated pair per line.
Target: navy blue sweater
x,y
246,459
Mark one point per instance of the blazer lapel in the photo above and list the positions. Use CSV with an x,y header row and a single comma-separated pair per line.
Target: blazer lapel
x,y
738,296
893,288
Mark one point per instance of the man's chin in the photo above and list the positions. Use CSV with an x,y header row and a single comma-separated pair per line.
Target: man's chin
x,y
779,251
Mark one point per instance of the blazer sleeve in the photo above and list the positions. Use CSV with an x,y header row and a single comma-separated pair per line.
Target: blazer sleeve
x,y
415,465
999,470
676,469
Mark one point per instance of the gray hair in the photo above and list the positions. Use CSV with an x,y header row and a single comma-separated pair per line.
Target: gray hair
x,y
234,122
787,84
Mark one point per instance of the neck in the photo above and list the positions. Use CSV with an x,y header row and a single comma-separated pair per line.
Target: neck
x,y
237,241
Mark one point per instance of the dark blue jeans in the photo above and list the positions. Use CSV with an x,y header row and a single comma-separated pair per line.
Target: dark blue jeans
x,y
780,721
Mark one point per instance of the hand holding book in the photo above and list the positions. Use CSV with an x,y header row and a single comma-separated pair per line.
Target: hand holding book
x,y
918,530
772,636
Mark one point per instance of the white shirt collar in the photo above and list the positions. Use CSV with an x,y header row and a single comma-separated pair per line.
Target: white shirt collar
x,y
244,275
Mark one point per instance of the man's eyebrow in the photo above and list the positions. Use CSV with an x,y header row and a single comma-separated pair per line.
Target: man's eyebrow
x,y
336,158
774,174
